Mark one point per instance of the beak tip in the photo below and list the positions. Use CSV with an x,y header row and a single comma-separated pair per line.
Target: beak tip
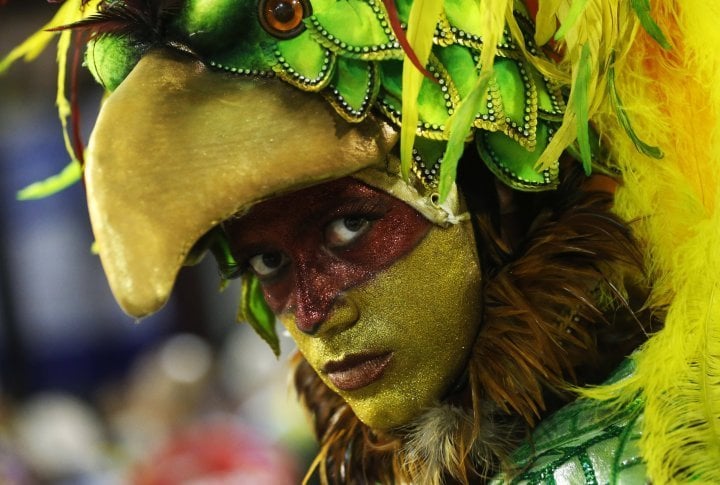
x,y
140,306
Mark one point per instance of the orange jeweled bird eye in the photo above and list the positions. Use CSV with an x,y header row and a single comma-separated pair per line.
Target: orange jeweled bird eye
x,y
283,18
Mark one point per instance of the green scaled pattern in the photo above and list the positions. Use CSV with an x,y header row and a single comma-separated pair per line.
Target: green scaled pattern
x,y
346,51
586,442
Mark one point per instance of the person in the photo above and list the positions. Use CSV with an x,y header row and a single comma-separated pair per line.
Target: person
x,y
441,309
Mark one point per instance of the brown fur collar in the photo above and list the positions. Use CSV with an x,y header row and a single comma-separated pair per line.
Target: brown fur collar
x,y
556,312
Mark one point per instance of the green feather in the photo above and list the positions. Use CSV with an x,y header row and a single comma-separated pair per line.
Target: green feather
x,y
255,311
52,185
579,99
460,126
644,148
576,8
642,10
110,59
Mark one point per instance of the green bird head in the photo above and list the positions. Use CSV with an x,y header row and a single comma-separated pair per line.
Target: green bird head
x,y
217,104
348,52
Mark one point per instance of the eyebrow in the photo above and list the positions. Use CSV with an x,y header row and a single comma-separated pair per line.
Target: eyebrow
x,y
372,204
328,205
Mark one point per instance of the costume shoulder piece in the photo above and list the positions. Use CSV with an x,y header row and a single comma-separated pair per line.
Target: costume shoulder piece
x,y
585,442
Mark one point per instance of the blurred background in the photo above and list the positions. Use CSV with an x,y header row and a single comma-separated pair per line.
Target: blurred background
x,y
87,394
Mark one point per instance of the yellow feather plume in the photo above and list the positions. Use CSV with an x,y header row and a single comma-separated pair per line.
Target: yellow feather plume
x,y
421,28
673,99
70,11
493,14
603,29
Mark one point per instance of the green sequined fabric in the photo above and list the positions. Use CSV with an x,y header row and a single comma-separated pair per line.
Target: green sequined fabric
x,y
586,442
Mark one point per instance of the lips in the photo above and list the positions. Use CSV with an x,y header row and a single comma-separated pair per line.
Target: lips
x,y
357,370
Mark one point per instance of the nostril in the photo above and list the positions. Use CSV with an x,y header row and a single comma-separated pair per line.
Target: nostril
x,y
344,314
308,320
339,315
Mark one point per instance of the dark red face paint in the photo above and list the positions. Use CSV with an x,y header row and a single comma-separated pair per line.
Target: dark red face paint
x,y
321,241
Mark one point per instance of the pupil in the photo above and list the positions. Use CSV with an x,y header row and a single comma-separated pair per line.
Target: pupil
x,y
284,11
354,224
272,260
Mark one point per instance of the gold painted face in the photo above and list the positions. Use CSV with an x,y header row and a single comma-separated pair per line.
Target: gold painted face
x,y
383,305
423,312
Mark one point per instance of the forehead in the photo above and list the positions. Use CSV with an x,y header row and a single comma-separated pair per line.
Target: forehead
x,y
308,203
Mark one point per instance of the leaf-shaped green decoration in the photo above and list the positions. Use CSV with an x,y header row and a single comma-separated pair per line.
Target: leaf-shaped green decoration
x,y
428,156
52,185
514,165
642,10
644,148
227,35
464,15
353,88
217,242
351,24
436,99
550,102
576,8
579,98
519,100
304,63
255,311
460,66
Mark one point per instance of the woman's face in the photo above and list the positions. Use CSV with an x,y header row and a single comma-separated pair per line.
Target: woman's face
x,y
384,305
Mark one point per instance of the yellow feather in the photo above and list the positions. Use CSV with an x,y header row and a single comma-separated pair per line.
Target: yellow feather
x,y
492,19
33,46
546,22
607,27
673,99
424,15
63,105
70,11
492,14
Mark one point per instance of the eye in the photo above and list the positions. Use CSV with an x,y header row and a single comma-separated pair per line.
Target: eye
x,y
266,265
342,232
283,18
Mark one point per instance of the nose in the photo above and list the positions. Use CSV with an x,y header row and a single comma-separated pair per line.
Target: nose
x,y
318,304
343,314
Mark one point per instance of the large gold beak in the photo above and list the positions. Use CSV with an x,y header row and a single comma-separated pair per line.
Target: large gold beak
x,y
178,148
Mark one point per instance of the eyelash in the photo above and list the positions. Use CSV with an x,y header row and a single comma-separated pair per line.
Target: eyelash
x,y
370,210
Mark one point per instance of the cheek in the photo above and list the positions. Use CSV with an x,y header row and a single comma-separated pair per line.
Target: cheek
x,y
427,310
277,293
